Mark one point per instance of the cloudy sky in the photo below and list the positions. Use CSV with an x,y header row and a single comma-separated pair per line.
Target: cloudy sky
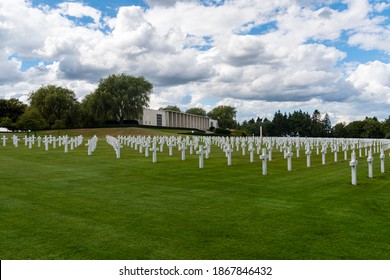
x,y
258,56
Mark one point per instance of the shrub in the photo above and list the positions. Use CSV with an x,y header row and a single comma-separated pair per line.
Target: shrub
x,y
132,122
222,131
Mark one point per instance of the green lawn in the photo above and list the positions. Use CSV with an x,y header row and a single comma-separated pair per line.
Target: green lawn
x,y
73,206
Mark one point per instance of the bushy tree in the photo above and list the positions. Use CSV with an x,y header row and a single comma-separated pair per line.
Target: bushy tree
x,y
386,128
317,126
118,97
355,129
279,125
10,111
340,130
31,120
372,128
57,105
225,115
196,111
171,108
299,123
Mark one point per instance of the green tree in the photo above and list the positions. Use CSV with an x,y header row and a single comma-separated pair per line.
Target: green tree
x,y
355,129
327,125
340,130
279,125
317,126
120,97
299,123
386,128
57,105
171,108
6,122
225,115
196,111
12,109
372,128
31,120
92,111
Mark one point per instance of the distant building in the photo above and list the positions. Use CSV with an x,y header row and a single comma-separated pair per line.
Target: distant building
x,y
176,119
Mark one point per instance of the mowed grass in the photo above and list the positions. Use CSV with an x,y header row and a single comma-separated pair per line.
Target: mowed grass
x,y
73,206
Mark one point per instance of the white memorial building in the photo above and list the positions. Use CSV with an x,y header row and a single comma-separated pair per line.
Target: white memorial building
x,y
176,119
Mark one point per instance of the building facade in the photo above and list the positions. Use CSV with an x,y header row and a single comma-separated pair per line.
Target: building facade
x,y
176,119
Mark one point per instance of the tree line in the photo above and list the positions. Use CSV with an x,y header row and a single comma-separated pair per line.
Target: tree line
x,y
120,99
303,124
297,123
117,98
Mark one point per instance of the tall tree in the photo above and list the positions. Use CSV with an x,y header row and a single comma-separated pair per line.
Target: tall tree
x,y
12,109
299,123
327,125
171,108
122,97
225,115
317,127
31,120
355,129
57,105
196,111
340,130
386,128
279,125
372,128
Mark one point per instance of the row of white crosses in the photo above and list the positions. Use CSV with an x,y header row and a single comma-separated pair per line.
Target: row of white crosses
x,y
46,140
227,144
146,144
116,144
202,146
354,163
92,144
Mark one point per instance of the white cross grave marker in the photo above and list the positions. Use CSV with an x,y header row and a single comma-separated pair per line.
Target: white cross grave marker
x,y
15,141
269,152
370,159
251,151
154,149
46,141
382,157
323,151
308,153
264,158
146,146
353,164
183,148
65,142
228,152
289,155
345,149
201,152
4,140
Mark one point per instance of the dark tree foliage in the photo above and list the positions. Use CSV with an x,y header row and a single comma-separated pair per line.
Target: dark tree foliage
x,y
12,108
340,130
57,105
171,108
225,115
302,124
196,111
117,98
31,120
386,128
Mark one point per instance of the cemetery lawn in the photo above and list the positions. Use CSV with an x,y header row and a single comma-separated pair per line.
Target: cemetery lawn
x,y
73,206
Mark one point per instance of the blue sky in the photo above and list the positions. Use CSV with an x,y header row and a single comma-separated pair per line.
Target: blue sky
x,y
258,56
